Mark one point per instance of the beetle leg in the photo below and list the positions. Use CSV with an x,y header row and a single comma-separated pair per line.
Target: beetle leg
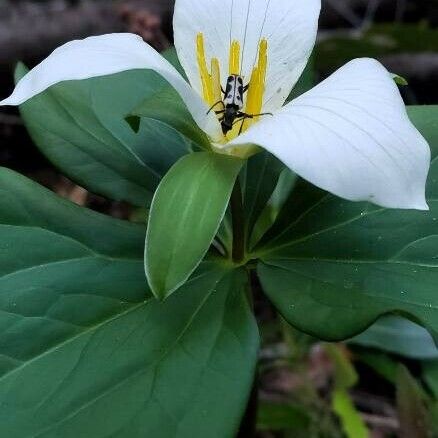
x,y
251,116
262,114
216,104
241,126
244,115
238,120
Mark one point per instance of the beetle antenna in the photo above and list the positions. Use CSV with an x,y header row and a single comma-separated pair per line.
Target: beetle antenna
x,y
244,39
261,31
231,22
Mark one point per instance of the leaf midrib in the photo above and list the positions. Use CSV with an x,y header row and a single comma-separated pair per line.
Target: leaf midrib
x,y
273,261
266,251
80,244
365,293
107,164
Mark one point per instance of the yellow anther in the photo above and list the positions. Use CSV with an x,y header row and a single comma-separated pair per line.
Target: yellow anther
x,y
211,81
256,91
252,99
263,59
206,80
216,83
235,58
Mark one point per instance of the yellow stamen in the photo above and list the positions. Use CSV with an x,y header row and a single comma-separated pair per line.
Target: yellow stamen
x,y
211,81
254,101
216,84
256,91
235,58
206,80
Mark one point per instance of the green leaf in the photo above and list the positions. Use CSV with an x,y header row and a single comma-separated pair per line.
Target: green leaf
x,y
171,56
185,216
25,204
381,363
377,41
62,268
430,375
261,177
306,81
80,127
346,264
345,375
352,422
399,336
282,416
400,80
286,183
86,351
425,118
167,107
412,412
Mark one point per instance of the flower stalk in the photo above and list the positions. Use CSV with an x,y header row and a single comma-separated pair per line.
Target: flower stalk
x,y
238,220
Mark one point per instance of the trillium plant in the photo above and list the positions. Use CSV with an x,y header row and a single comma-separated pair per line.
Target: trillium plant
x,y
252,184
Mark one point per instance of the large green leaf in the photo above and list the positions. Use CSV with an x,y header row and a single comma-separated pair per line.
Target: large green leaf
x,y
185,215
85,351
80,127
25,204
399,336
332,267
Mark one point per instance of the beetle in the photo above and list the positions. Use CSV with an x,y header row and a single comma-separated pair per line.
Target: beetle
x,y
233,105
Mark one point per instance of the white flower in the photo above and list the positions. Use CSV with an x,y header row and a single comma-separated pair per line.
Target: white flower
x,y
350,135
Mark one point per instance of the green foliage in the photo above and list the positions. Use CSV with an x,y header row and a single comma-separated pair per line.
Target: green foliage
x,y
186,212
345,377
305,82
382,364
348,263
282,416
353,425
430,375
82,331
80,127
399,336
260,180
84,348
379,40
411,405
167,107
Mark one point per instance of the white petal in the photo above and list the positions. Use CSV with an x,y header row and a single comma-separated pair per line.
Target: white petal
x,y
105,55
290,26
351,135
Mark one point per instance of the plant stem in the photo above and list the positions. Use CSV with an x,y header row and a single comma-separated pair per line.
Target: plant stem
x,y
238,223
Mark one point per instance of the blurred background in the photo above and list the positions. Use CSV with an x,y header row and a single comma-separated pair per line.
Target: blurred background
x,y
381,384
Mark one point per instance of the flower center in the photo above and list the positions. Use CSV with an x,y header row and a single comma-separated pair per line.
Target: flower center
x,y
236,120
